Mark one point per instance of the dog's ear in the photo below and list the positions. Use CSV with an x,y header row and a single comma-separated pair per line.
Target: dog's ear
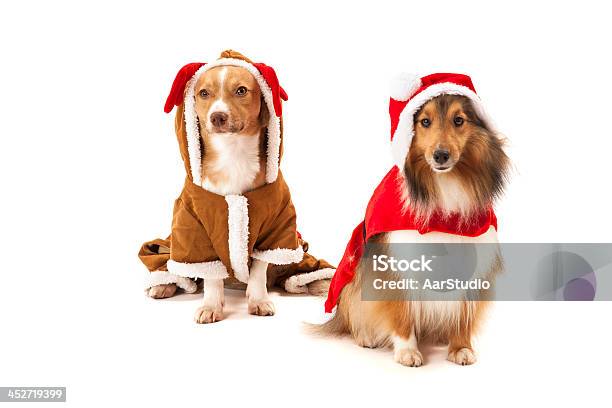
x,y
264,113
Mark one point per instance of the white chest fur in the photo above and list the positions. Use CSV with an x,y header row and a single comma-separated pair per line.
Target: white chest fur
x,y
237,158
452,195
434,313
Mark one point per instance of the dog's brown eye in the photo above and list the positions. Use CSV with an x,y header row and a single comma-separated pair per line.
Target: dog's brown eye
x,y
425,122
241,91
204,93
458,121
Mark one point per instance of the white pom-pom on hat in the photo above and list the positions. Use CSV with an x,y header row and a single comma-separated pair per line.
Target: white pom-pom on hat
x,y
404,85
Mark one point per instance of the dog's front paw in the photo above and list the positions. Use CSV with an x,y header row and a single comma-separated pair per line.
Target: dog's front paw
x,y
208,314
162,291
262,307
409,357
463,356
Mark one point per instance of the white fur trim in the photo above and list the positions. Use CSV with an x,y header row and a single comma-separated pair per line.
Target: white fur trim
x,y
193,132
405,129
280,256
238,234
297,283
165,278
191,120
160,278
404,86
204,270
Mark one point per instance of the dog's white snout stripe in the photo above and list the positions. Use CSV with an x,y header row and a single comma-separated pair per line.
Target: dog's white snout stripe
x,y
219,104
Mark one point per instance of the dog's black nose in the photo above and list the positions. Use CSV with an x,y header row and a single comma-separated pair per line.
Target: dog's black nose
x,y
441,156
218,119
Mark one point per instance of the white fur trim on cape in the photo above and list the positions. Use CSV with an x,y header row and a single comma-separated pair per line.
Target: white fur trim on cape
x,y
238,233
204,270
404,86
280,256
165,278
297,283
193,132
405,129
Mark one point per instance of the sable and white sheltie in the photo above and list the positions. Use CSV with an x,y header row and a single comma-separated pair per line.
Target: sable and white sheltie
x,y
455,165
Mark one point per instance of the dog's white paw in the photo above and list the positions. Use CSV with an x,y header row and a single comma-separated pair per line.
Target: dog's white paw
x,y
409,357
464,356
262,307
188,285
208,314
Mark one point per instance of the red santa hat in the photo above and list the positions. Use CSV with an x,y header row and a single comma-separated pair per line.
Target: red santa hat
x,y
183,91
409,93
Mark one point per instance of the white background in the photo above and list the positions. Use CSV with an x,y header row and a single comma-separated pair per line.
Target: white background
x,y
90,167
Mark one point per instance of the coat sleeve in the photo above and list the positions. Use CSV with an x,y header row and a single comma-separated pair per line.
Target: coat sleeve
x,y
278,242
191,251
155,255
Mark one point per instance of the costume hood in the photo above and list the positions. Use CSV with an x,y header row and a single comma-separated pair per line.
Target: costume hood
x,y
182,95
386,212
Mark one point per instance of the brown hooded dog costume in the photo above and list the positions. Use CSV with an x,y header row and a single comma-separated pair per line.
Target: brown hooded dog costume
x,y
215,236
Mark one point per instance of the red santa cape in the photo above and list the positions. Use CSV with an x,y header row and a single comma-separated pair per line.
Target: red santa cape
x,y
385,212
